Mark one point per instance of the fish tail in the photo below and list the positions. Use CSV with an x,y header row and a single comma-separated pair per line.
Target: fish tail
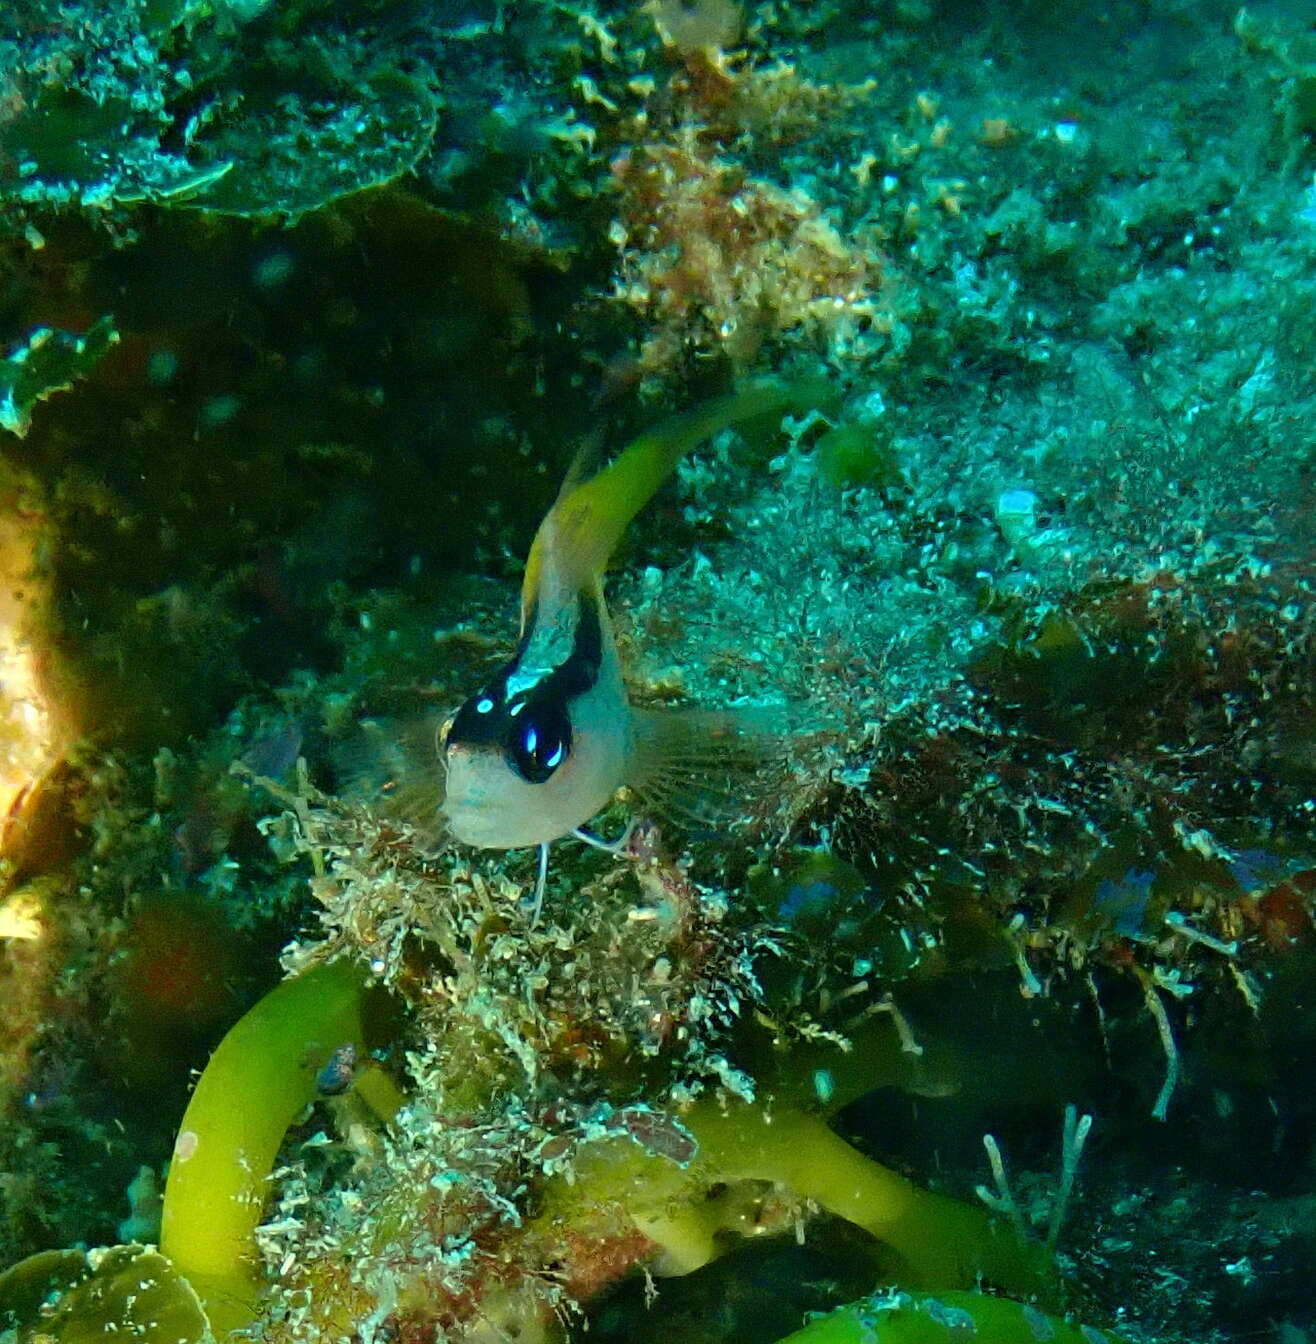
x,y
582,529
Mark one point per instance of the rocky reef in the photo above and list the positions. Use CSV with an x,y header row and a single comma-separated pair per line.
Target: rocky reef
x,y
980,1006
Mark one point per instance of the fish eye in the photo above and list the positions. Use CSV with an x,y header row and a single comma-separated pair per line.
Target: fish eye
x,y
539,742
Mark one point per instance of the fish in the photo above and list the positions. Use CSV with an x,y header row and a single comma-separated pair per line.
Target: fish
x,y
546,744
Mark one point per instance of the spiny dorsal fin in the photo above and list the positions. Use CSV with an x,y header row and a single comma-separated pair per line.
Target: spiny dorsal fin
x,y
583,527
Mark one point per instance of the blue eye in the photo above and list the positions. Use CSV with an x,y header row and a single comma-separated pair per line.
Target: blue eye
x,y
540,742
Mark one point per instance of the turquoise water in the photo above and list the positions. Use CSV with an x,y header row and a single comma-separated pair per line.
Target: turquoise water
x,y
994,790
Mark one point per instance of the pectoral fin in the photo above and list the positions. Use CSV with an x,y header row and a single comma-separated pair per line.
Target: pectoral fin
x,y
707,768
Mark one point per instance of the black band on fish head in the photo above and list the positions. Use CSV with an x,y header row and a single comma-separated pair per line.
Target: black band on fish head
x,y
533,731
532,728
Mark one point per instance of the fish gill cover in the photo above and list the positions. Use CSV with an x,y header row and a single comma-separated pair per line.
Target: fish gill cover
x,y
980,1005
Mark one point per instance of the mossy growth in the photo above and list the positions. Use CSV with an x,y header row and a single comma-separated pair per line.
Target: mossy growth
x,y
47,362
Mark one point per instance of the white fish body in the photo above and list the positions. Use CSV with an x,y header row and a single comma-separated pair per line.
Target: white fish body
x,y
546,744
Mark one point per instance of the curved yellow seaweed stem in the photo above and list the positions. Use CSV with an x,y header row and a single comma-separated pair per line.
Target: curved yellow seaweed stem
x,y
260,1078
944,1242
941,1242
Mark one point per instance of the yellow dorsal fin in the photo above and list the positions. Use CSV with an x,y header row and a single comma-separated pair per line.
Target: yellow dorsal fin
x,y
583,527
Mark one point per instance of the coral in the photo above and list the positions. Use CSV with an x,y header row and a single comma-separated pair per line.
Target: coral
x,y
272,112
94,99
96,138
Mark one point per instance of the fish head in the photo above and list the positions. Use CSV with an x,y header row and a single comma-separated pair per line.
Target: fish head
x,y
502,756
546,743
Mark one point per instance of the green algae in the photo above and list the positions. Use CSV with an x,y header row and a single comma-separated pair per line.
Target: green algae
x,y
261,1076
904,1318
858,454
123,1292
936,1242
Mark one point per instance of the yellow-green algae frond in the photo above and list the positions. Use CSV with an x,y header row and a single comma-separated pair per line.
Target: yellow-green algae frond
x,y
947,1318
260,1078
129,1293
